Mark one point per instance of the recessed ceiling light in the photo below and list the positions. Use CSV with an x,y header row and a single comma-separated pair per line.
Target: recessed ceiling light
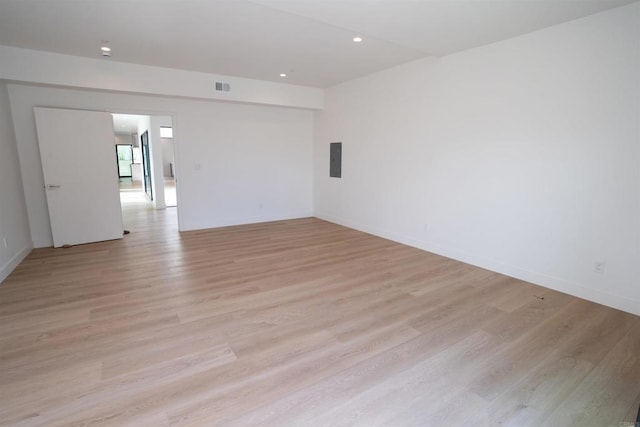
x,y
105,49
283,75
357,39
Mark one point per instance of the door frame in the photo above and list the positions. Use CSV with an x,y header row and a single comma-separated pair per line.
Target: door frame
x,y
146,164
175,125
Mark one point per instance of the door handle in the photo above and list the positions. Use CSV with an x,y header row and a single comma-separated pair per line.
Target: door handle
x,y
51,186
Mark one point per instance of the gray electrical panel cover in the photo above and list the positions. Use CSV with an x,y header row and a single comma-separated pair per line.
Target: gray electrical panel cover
x,y
335,160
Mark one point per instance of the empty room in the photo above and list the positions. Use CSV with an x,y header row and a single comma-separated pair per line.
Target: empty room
x,y
320,213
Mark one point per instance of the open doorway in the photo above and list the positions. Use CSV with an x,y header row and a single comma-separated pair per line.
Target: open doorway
x,y
150,188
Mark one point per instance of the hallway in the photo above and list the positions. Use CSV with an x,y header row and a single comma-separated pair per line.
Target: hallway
x,y
139,215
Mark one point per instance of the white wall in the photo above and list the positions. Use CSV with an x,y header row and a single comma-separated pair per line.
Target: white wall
x,y
14,225
123,138
31,66
522,156
167,156
236,163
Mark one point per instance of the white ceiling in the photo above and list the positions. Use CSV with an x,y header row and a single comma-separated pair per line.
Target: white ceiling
x,y
126,123
310,40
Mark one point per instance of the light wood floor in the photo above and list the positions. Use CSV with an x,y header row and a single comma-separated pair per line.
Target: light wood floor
x,y
299,323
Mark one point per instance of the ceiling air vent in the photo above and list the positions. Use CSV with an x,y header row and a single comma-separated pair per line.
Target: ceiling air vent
x,y
223,87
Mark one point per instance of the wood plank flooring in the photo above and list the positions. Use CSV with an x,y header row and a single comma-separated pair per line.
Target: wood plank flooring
x,y
299,323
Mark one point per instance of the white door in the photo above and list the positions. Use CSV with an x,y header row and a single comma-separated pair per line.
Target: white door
x,y
77,149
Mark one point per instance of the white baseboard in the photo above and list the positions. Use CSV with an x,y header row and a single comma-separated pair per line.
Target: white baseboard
x,y
13,263
229,222
557,284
